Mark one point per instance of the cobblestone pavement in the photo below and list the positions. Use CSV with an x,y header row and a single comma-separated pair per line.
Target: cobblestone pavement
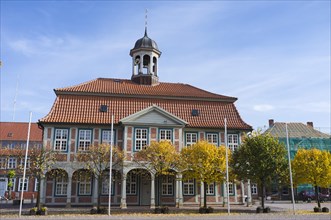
x,y
279,210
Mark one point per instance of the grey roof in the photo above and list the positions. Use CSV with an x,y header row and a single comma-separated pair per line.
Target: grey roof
x,y
295,130
145,42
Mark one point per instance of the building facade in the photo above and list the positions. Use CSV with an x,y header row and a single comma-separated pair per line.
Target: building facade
x,y
13,142
301,136
144,110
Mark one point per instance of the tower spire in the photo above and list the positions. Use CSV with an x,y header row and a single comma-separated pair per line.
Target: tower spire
x,y
146,11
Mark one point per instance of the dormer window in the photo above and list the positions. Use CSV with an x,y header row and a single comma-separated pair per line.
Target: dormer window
x,y
10,134
103,108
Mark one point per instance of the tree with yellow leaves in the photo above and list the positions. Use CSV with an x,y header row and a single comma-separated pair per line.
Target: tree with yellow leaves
x,y
159,158
204,162
312,166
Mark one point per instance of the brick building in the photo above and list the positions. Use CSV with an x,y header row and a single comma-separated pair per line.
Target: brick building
x,y
144,110
13,140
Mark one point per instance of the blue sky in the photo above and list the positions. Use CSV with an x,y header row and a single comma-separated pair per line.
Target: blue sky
x,y
274,56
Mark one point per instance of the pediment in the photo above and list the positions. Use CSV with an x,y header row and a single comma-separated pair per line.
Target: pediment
x,y
153,115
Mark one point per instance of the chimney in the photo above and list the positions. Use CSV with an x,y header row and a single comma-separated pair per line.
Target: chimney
x,y
310,123
271,123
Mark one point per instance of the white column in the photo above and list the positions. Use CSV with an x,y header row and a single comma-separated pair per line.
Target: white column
x,y
249,192
179,191
150,66
42,191
68,205
202,195
123,199
133,65
235,192
152,191
95,192
242,191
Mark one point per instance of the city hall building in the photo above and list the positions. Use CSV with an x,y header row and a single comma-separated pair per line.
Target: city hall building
x,y
145,109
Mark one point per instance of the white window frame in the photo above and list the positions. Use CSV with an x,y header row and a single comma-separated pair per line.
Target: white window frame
x,y
26,184
141,138
210,191
84,139
27,163
233,141
12,163
131,184
85,185
165,134
212,138
254,189
106,136
61,137
189,138
36,184
167,185
188,187
105,185
61,185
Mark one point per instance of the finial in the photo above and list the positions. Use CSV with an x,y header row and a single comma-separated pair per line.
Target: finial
x,y
146,11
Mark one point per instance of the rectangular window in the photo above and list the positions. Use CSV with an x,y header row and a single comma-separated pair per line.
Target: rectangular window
x,y
212,138
20,183
84,140
210,189
61,139
233,141
167,185
61,185
36,182
12,163
85,184
105,185
165,134
140,138
27,162
3,163
106,136
131,184
254,189
191,138
231,188
188,187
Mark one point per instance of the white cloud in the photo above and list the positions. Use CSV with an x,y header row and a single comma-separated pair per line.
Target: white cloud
x,y
263,107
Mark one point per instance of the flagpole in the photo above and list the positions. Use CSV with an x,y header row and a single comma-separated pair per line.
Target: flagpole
x,y
289,165
25,160
110,162
227,164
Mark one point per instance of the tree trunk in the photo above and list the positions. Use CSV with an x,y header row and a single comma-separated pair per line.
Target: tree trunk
x,y
205,195
99,191
263,192
38,205
317,197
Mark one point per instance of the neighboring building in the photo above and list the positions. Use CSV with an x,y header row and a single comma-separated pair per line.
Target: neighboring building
x,y
13,140
300,136
145,110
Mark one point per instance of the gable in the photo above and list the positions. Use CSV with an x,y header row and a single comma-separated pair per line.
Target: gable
x,y
154,115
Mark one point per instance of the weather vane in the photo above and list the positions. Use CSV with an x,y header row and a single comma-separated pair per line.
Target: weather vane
x,y
146,11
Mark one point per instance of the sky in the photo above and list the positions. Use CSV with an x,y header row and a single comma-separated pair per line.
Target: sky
x,y
274,56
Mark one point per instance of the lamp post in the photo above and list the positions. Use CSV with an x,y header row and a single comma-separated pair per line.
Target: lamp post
x,y
110,163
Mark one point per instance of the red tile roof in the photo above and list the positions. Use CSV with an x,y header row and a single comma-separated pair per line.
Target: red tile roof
x,y
18,131
81,104
129,88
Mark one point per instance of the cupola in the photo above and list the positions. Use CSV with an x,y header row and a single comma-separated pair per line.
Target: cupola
x,y
145,55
